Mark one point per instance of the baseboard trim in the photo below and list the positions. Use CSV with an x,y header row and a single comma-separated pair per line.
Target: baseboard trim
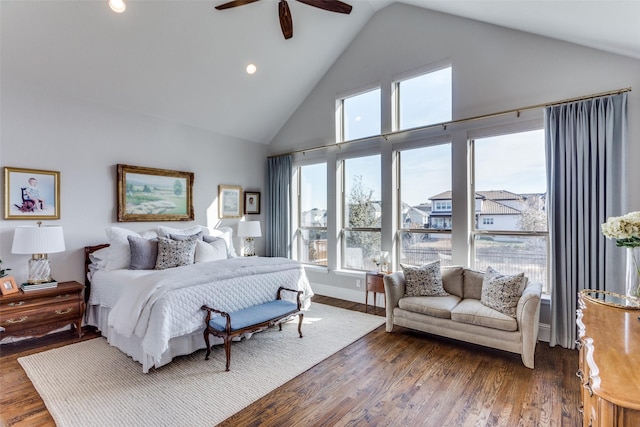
x,y
354,295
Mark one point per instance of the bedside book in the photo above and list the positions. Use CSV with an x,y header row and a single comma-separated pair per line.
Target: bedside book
x,y
29,287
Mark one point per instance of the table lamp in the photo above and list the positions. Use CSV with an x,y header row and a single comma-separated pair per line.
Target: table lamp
x,y
38,241
249,230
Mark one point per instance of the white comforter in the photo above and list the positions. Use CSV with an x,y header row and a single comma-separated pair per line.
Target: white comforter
x,y
166,304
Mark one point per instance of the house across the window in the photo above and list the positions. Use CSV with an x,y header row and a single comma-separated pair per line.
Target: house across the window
x,y
500,209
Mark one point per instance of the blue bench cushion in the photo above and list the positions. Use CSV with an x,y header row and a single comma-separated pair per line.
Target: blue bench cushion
x,y
253,315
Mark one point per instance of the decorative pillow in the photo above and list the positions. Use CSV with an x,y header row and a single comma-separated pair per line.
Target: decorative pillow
x,y
175,253
425,280
198,236
119,254
99,258
213,251
144,253
164,231
502,292
227,234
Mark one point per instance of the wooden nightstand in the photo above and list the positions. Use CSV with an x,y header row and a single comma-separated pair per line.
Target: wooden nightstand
x,y
375,284
36,313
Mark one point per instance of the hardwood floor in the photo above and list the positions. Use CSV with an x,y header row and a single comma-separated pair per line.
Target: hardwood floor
x,y
405,378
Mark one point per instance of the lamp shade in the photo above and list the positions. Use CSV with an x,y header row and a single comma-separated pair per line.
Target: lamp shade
x,y
37,240
249,229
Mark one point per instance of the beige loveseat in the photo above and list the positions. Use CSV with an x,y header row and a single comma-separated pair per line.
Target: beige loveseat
x,y
462,316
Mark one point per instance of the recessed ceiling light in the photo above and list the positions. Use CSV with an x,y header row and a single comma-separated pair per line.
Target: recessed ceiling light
x,y
117,5
251,68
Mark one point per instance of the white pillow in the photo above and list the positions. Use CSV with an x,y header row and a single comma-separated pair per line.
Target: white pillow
x,y
164,231
213,251
227,234
119,253
99,258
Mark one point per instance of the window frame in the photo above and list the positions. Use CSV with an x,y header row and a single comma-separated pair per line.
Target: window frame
x,y
299,228
474,231
344,226
400,228
340,111
396,92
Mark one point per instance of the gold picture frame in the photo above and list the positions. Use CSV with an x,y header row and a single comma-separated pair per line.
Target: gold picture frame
x,y
229,201
151,194
8,285
31,194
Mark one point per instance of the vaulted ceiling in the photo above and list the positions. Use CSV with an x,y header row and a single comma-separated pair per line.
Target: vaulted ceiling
x,y
184,61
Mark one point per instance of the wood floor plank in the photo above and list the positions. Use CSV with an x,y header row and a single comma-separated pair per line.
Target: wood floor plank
x,y
404,378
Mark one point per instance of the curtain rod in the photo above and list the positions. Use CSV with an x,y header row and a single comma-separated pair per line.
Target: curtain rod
x,y
454,122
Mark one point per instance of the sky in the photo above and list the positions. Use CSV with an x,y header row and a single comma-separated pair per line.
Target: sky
x,y
513,162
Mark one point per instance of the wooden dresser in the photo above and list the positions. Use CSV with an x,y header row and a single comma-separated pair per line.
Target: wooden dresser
x,y
36,313
609,343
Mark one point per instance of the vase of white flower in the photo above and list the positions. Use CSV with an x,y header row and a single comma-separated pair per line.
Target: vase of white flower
x,y
626,231
633,272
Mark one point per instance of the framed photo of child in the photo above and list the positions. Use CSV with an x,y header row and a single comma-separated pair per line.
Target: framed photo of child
x,y
31,193
251,202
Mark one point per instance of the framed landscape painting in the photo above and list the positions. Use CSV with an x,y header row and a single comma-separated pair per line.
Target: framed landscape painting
x,y
31,194
149,194
229,203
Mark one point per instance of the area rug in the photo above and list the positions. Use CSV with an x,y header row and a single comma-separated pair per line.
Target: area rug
x,y
94,384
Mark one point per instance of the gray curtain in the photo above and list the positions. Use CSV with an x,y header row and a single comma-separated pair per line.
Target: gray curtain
x,y
586,144
278,232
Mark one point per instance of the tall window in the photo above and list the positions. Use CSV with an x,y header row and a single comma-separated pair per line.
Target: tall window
x,y
360,116
424,100
312,214
425,205
510,218
362,212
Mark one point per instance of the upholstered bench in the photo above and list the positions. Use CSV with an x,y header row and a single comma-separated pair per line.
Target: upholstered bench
x,y
251,319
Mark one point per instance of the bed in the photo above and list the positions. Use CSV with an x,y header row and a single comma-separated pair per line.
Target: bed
x,y
154,315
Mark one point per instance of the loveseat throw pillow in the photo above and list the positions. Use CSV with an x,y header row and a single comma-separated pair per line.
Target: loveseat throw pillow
x,y
501,292
425,280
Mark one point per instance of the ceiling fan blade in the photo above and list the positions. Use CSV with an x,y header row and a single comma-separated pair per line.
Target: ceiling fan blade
x,y
330,5
286,22
234,3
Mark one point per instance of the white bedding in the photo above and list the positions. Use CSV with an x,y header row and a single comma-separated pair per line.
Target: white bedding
x,y
154,316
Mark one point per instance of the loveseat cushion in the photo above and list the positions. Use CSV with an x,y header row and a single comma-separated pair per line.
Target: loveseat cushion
x,y
473,312
473,283
453,279
433,306
425,280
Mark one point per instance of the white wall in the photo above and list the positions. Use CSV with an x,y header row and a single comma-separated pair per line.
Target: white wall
x,y
494,69
84,142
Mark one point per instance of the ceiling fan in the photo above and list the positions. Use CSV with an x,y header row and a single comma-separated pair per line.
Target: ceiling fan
x,y
286,22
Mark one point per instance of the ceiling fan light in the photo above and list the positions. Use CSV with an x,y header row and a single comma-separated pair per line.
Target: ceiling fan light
x,y
251,69
117,6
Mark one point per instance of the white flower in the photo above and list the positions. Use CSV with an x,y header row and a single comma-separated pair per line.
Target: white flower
x,y
622,227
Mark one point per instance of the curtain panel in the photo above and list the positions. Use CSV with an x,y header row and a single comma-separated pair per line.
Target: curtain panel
x,y
586,143
278,202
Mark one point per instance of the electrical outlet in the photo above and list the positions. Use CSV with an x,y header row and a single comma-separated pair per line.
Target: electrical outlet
x,y
359,283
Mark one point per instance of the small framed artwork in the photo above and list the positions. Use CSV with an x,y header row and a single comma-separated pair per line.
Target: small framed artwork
x,y
229,203
8,285
31,193
149,194
251,202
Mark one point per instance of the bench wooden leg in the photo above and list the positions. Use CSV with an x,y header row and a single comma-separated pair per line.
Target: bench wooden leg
x,y
227,350
300,317
206,341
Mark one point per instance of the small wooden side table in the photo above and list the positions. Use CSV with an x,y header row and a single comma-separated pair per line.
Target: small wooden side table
x,y
37,313
375,284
